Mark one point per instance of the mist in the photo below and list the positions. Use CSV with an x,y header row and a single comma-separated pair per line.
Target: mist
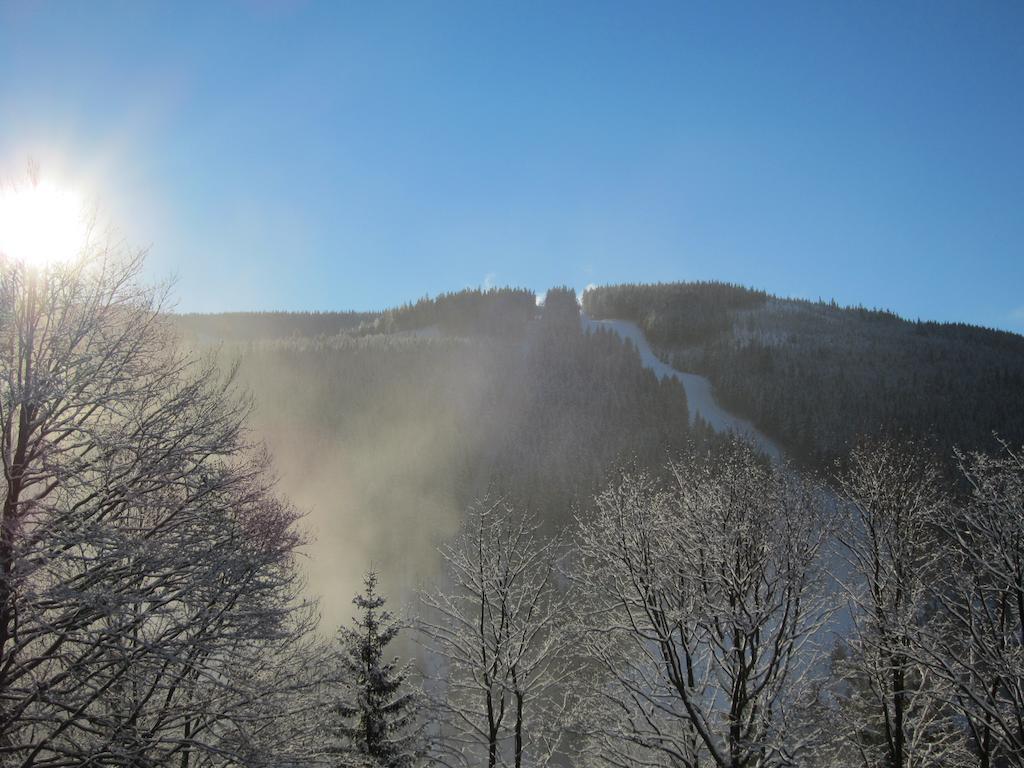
x,y
378,462
383,439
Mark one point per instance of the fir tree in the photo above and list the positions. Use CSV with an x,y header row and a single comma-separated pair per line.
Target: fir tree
x,y
378,710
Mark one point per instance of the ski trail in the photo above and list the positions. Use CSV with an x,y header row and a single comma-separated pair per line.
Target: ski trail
x,y
699,397
700,400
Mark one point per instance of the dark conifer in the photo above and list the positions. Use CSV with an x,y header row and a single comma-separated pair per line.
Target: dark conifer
x,y
378,711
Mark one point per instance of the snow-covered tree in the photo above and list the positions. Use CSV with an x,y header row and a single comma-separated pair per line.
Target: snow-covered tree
x,y
976,643
893,706
496,640
379,709
147,570
701,606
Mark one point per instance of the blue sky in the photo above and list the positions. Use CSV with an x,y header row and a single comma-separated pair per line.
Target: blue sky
x,y
301,155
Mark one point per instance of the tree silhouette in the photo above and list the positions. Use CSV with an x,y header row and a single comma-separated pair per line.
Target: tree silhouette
x,y
378,710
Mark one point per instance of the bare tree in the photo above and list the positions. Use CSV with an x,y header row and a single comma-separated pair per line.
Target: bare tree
x,y
495,639
976,644
893,707
146,568
701,606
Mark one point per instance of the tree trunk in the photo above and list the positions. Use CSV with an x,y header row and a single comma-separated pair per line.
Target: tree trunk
x,y
519,729
492,735
9,521
898,757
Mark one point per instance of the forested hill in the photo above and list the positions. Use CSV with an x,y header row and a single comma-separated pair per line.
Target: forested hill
x,y
472,312
253,326
386,431
817,376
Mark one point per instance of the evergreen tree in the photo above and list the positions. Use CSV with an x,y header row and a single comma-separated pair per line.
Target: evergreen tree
x,y
378,710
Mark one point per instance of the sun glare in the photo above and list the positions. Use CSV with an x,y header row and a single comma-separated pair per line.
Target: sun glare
x,y
41,223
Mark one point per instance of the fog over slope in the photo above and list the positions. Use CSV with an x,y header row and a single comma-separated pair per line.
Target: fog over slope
x,y
384,426
384,433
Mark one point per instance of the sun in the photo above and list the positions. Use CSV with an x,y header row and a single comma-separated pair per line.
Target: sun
x,y
41,223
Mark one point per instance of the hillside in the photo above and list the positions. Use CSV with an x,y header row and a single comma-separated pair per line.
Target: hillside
x,y
385,425
472,312
256,326
386,436
816,376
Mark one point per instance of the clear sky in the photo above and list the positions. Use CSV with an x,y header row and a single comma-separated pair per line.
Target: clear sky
x,y
340,155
